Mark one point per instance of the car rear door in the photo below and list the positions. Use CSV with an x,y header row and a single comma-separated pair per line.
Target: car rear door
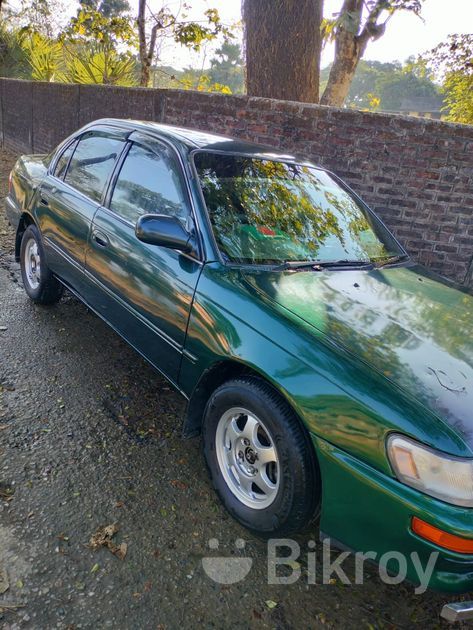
x,y
145,291
71,194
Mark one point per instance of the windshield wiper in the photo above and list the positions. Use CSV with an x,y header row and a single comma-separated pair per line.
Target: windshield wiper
x,y
318,265
392,260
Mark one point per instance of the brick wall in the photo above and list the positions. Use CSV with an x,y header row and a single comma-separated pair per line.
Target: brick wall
x,y
416,174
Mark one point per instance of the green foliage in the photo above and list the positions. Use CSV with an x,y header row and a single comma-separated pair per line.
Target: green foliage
x,y
225,73
91,48
226,68
87,51
384,86
13,58
46,17
453,60
393,90
100,67
458,89
193,80
44,56
108,8
92,28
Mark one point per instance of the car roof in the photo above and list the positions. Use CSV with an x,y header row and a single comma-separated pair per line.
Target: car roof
x,y
197,139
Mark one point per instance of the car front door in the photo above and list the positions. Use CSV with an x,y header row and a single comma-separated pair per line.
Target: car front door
x,y
70,196
144,291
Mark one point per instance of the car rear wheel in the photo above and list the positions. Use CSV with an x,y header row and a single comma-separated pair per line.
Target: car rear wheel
x,y
40,285
260,458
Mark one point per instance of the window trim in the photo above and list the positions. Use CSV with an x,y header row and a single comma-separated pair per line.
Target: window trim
x,y
179,163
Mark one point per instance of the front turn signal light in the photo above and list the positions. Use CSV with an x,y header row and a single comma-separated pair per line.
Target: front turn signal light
x,y
440,538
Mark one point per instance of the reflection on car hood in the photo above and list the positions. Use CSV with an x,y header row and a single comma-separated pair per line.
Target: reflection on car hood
x,y
416,331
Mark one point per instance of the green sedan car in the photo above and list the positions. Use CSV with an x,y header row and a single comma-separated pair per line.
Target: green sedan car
x,y
329,375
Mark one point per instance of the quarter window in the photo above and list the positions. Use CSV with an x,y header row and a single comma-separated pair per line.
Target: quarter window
x,y
92,163
149,182
63,161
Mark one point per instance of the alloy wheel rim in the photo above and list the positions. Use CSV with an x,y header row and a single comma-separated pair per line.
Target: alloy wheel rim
x,y
248,458
32,262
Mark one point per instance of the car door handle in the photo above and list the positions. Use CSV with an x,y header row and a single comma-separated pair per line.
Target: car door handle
x,y
43,201
100,238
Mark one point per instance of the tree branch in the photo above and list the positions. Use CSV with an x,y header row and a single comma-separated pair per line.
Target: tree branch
x,y
152,40
371,28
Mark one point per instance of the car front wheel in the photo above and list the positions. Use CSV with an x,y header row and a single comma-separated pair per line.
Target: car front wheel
x,y
40,285
260,458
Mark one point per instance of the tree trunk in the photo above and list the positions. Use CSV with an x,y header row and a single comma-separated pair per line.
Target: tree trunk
x,y
348,53
146,49
143,53
350,45
283,44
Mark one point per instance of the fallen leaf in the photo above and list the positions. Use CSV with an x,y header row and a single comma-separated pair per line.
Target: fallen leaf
x,y
95,568
119,504
6,493
120,551
270,604
4,583
103,538
3,427
10,607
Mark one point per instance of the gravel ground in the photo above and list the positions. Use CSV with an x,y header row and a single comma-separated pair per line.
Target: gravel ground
x,y
90,436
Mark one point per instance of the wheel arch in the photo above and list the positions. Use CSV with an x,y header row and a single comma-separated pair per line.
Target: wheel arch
x,y
225,370
217,374
25,220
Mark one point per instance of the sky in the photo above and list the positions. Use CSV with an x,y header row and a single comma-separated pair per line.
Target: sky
x,y
406,34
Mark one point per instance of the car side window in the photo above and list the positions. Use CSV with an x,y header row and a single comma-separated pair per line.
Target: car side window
x,y
92,163
63,161
149,182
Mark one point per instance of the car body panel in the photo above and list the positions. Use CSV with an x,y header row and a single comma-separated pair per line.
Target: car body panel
x,y
368,511
65,224
144,291
338,396
416,332
357,354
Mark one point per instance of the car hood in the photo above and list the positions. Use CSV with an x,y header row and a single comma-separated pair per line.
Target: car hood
x,y
415,330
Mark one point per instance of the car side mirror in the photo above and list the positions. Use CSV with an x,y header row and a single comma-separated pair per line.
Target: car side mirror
x,y
164,230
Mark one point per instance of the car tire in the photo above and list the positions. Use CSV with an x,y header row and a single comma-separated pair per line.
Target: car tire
x,y
39,283
260,458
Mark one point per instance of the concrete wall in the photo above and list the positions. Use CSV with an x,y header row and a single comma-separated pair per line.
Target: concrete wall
x,y
416,173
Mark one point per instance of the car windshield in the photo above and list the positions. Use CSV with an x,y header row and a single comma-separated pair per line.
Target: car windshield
x,y
267,212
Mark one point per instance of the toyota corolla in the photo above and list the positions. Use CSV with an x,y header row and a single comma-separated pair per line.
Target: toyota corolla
x,y
330,375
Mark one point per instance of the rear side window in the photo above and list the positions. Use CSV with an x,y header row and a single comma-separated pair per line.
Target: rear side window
x,y
149,182
63,161
92,163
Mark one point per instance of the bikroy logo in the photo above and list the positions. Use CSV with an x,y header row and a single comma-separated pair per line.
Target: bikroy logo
x,y
225,570
392,565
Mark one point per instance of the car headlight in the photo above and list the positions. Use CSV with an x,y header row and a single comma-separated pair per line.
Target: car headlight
x,y
440,475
